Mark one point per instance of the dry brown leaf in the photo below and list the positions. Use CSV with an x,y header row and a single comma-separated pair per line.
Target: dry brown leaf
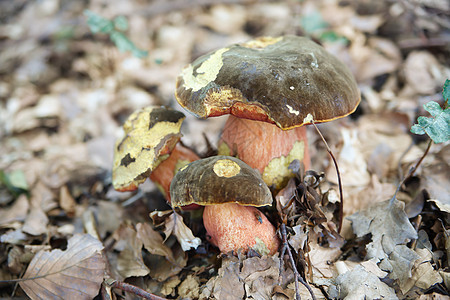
x,y
75,273
360,284
17,212
161,269
390,229
130,261
66,201
174,225
352,165
423,274
153,241
168,288
189,288
36,221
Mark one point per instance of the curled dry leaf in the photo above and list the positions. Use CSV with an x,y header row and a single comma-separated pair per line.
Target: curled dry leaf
x,y
75,273
174,225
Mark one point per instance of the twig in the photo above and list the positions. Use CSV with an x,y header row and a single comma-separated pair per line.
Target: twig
x,y
410,173
440,41
294,268
341,194
132,289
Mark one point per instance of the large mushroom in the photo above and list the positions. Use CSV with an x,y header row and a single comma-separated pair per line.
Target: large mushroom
x,y
150,148
230,190
268,86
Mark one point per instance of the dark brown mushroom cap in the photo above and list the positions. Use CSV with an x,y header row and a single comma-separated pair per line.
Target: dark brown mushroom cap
x,y
150,135
217,180
277,80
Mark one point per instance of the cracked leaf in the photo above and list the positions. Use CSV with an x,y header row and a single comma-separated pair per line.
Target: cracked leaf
x,y
390,229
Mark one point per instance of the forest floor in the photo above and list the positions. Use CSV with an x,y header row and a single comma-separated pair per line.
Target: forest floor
x,y
65,92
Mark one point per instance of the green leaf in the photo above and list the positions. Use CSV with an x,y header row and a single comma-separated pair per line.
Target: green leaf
x,y
313,22
14,181
446,90
124,44
113,28
437,126
121,23
98,23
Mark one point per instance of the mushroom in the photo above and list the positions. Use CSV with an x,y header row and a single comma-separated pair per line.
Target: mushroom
x,y
230,190
268,86
149,148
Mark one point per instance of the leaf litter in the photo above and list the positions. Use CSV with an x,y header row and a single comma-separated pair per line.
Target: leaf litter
x,y
64,93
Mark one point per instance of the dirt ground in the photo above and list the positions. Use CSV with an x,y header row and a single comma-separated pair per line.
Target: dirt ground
x,y
65,92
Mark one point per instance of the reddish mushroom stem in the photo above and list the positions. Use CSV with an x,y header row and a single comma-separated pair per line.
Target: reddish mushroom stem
x,y
164,173
265,147
232,226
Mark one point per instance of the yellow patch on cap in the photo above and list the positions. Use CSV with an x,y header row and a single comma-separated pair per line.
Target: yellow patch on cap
x,y
150,134
226,168
277,173
205,73
262,42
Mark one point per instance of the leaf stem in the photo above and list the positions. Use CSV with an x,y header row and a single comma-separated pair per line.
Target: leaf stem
x,y
410,173
341,194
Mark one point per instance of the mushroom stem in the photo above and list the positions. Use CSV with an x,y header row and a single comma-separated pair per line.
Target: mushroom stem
x,y
162,176
232,227
265,147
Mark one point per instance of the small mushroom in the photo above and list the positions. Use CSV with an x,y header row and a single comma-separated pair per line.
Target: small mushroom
x,y
269,86
230,191
149,148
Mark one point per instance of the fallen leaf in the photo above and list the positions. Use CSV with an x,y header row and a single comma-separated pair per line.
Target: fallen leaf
x,y
17,212
168,288
390,229
66,201
260,276
189,288
130,261
352,165
423,273
36,221
360,284
298,240
174,225
227,284
153,241
75,273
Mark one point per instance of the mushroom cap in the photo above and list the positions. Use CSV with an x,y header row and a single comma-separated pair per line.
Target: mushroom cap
x,y
217,180
150,134
277,80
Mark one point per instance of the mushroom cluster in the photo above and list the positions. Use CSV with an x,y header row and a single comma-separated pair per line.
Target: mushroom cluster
x,y
270,87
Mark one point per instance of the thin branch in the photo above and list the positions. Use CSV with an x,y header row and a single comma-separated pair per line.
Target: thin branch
x,y
297,277
341,194
134,290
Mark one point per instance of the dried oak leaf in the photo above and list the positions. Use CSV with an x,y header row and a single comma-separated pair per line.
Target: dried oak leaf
x,y
360,284
390,229
423,273
75,273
